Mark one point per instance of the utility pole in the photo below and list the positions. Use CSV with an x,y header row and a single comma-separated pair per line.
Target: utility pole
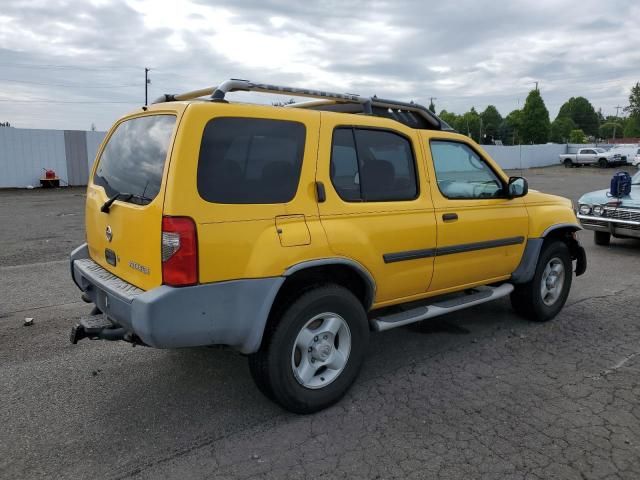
x,y
615,124
147,81
536,86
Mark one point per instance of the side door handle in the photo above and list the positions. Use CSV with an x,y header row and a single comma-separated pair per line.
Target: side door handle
x,y
321,194
449,217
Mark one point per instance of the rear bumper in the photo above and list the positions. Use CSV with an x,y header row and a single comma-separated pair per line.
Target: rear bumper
x,y
225,313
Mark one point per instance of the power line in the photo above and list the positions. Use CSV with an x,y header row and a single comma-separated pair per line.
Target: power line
x,y
6,100
68,66
66,84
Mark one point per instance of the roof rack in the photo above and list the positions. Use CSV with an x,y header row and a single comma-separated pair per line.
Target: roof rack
x,y
408,113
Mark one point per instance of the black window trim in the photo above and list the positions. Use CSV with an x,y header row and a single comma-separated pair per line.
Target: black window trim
x,y
353,128
304,151
503,195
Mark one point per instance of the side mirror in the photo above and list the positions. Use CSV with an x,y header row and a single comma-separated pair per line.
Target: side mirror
x,y
517,187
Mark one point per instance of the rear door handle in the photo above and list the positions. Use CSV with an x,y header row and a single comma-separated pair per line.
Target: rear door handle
x,y
321,194
449,217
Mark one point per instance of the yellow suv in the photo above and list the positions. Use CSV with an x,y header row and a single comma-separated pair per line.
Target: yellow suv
x,y
291,232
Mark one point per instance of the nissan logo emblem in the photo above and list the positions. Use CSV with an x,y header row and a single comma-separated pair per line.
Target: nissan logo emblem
x,y
108,233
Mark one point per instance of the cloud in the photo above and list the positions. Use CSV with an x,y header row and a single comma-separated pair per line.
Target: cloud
x,y
464,53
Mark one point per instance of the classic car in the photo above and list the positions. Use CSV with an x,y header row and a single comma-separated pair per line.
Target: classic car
x,y
610,216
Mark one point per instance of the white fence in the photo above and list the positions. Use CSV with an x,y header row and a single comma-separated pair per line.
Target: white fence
x,y
526,156
25,153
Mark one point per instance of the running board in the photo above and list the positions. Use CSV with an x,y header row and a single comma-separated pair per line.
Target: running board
x,y
479,295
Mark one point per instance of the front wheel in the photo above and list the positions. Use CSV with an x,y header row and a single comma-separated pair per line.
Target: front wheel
x,y
543,297
313,350
602,163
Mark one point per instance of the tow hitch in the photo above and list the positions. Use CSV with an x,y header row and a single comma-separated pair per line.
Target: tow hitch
x,y
96,327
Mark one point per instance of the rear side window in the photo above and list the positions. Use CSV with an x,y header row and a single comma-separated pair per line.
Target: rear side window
x,y
372,166
133,160
249,160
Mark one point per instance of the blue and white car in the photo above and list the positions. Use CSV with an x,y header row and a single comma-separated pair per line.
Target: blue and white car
x,y
611,216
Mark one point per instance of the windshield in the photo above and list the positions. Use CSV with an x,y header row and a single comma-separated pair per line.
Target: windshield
x,y
600,150
636,179
133,161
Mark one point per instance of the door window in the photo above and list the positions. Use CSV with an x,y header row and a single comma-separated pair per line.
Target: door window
x,y
462,174
372,166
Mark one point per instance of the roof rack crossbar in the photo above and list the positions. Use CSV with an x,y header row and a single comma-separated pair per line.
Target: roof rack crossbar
x,y
233,85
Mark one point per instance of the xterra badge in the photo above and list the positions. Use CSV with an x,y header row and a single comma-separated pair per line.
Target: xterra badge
x,y
140,268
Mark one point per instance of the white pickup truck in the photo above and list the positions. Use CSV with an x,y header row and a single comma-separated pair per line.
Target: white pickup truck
x,y
593,155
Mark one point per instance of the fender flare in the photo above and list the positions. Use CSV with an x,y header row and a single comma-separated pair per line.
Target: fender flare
x,y
527,267
356,266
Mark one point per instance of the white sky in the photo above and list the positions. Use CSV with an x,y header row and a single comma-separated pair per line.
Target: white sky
x,y
66,64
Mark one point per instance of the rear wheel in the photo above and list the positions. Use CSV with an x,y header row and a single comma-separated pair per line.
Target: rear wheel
x,y
602,238
543,297
602,163
313,350
568,163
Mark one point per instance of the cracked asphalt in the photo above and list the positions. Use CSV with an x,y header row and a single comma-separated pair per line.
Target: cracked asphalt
x,y
478,394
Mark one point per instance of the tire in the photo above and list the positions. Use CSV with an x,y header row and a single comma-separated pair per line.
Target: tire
x,y
331,324
602,238
527,299
602,163
568,163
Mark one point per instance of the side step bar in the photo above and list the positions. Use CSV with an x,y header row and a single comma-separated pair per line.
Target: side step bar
x,y
479,295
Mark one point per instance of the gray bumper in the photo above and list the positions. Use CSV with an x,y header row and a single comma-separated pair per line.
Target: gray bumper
x,y
225,313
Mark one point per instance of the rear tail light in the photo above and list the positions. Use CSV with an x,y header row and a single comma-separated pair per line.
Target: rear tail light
x,y
179,251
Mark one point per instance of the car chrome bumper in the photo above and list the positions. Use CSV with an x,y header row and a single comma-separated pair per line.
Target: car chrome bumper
x,y
614,226
230,313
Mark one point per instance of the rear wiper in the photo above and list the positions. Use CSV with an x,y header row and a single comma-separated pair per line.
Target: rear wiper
x,y
107,205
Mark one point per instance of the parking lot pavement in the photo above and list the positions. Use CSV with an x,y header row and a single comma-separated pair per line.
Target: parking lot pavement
x,y
478,394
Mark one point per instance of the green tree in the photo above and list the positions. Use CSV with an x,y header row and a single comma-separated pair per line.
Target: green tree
x,y
449,117
469,124
577,136
634,102
491,121
535,119
509,131
608,129
632,129
632,126
580,110
561,128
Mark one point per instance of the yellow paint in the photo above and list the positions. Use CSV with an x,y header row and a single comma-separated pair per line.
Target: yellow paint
x,y
254,241
136,229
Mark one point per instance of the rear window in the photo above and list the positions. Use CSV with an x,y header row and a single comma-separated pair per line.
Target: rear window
x,y
249,160
133,160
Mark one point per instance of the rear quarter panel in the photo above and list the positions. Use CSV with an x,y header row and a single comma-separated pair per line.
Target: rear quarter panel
x,y
241,240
